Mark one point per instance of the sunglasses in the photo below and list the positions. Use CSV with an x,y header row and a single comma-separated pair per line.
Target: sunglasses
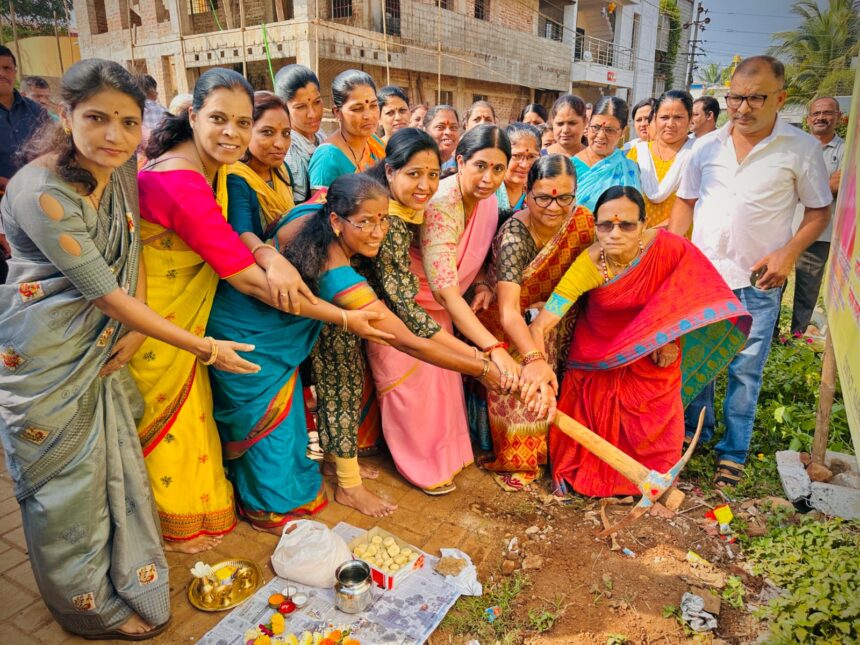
x,y
626,227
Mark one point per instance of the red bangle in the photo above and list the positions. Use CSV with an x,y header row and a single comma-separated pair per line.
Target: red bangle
x,y
502,345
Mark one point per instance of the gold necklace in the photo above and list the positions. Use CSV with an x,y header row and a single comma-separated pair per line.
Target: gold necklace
x,y
540,242
659,148
95,202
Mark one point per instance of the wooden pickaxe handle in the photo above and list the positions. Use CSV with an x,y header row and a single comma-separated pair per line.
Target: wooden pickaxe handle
x,y
601,448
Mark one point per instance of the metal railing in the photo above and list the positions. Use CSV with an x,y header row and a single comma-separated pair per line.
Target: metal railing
x,y
588,49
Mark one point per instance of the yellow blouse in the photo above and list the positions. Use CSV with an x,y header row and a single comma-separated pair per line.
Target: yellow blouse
x,y
582,276
656,213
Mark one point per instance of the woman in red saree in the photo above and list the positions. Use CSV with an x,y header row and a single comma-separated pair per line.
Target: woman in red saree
x,y
657,324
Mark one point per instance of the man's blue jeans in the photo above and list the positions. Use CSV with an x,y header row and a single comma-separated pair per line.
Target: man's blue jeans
x,y
744,384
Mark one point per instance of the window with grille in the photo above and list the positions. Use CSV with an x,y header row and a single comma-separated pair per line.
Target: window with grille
x,y
392,17
341,8
482,9
446,97
478,97
443,4
202,6
659,85
549,29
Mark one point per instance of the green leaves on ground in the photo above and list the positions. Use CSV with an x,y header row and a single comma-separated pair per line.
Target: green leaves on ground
x,y
817,564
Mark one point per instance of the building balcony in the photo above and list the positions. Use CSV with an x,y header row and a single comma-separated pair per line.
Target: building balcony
x,y
599,62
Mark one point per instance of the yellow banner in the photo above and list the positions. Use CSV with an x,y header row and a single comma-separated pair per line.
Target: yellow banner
x,y
842,285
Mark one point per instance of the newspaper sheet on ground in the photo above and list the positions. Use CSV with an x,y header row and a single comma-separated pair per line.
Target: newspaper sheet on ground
x,y
405,615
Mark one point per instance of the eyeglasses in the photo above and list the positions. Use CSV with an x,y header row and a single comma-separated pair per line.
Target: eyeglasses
x,y
368,226
626,227
755,101
524,158
816,115
545,200
610,131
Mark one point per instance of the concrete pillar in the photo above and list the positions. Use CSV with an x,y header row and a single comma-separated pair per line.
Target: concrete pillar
x,y
569,32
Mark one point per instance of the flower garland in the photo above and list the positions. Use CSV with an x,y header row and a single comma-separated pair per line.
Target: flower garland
x,y
272,633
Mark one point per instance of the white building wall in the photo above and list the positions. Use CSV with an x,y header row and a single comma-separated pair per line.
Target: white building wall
x,y
643,55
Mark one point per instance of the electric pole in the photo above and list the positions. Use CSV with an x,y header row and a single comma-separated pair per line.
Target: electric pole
x,y
700,21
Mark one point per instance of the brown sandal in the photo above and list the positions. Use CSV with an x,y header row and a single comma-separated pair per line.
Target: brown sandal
x,y
123,636
729,473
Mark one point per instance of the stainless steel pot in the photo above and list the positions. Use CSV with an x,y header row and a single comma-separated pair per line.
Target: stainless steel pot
x,y
352,591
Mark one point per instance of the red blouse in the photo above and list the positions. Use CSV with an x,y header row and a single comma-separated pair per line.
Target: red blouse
x,y
182,201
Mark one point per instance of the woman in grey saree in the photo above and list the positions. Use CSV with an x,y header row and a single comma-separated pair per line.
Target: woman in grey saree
x,y
67,408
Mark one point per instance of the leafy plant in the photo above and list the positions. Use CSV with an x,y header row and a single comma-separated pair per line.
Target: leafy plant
x,y
734,592
666,65
468,615
818,566
616,639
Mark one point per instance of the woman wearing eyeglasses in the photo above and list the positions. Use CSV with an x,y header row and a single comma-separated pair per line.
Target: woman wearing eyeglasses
x,y
602,164
662,160
525,150
528,252
629,374
353,222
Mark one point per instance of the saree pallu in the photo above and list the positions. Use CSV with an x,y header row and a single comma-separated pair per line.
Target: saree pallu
x,y
519,437
68,434
672,294
261,417
178,432
426,428
592,181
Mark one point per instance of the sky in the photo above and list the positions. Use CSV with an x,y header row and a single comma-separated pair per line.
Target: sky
x,y
743,27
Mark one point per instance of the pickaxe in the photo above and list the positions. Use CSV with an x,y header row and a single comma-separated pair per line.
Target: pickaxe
x,y
654,486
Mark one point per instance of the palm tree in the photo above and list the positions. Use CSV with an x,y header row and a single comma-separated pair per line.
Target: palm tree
x,y
711,74
824,42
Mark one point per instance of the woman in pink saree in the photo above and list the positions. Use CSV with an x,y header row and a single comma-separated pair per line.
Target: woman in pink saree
x,y
424,408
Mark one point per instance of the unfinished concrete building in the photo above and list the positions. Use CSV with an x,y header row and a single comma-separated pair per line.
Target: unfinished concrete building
x,y
509,52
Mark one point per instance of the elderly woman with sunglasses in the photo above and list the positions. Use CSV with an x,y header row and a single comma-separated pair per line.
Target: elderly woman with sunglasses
x,y
629,373
601,164
529,251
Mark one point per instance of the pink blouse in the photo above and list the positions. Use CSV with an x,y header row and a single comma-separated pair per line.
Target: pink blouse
x,y
182,201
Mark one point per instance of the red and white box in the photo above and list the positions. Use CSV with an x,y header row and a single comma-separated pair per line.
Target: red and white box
x,y
381,578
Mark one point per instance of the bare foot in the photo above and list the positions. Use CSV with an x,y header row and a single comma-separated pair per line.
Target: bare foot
x,y
135,625
364,501
194,545
366,472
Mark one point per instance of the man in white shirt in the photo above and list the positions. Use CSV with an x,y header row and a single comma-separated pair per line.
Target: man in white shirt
x,y
739,192
824,116
706,111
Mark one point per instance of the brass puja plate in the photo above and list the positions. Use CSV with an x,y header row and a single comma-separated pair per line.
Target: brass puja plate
x,y
242,587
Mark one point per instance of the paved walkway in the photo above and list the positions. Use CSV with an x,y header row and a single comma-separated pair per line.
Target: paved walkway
x,y
426,522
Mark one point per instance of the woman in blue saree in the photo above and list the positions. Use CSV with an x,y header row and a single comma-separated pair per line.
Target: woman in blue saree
x,y
602,164
261,420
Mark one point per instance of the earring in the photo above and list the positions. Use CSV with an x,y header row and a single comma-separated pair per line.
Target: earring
x,y
641,248
336,233
67,130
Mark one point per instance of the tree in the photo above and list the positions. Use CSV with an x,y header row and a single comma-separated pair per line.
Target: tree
x,y
34,17
711,74
823,43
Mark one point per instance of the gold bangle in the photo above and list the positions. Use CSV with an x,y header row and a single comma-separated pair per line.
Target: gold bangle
x,y
532,356
486,369
213,352
345,321
261,246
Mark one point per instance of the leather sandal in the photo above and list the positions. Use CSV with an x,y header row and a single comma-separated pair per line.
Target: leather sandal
x,y
123,636
444,489
729,473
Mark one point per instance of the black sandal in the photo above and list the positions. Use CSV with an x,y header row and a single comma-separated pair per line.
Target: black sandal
x,y
729,473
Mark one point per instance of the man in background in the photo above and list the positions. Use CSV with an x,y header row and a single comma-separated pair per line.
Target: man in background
x,y
20,117
37,89
706,111
153,111
823,118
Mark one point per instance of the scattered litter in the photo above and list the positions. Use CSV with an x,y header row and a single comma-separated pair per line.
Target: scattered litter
x,y
694,614
722,514
467,580
628,552
491,613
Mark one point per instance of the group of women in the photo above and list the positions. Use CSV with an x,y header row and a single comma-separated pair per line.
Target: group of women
x,y
457,249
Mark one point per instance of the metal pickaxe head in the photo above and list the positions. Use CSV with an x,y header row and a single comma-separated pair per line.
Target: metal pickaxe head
x,y
653,485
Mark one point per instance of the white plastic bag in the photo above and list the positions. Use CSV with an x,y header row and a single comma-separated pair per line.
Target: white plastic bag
x,y
309,553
